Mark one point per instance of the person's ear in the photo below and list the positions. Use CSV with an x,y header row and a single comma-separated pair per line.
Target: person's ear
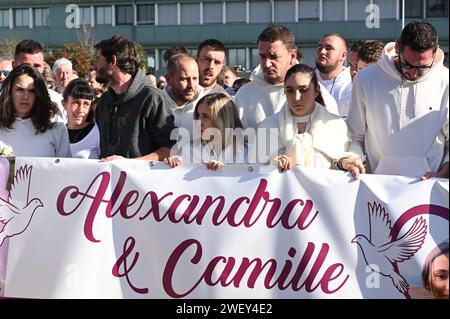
x,y
14,63
344,56
397,47
64,103
114,60
293,56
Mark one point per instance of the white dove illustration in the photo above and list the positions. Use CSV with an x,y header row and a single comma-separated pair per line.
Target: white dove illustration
x,y
16,215
380,250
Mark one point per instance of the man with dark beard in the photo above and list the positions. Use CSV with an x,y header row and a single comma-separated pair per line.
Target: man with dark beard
x,y
183,90
330,58
210,59
264,95
132,119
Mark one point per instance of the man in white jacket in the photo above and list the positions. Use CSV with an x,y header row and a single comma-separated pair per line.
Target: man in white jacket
x,y
399,108
331,72
264,95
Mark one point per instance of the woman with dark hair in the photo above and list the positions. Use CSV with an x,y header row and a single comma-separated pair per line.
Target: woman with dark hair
x,y
26,113
308,135
83,135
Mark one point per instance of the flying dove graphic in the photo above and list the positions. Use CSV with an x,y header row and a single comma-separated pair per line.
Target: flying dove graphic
x,y
381,251
16,215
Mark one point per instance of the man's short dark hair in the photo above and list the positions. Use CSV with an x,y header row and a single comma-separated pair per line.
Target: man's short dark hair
x,y
174,50
27,46
357,45
371,51
419,35
214,44
275,33
124,50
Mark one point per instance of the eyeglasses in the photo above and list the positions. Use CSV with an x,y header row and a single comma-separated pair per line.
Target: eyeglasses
x,y
5,73
405,65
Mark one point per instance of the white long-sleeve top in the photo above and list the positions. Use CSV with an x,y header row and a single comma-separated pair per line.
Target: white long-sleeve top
x,y
23,139
401,124
340,86
183,115
89,146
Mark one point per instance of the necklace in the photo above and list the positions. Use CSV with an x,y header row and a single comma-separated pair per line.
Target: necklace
x,y
332,85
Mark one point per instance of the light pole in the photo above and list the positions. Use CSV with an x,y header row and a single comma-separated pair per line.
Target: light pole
x,y
403,14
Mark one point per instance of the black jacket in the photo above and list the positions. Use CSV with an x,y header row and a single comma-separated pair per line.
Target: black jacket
x,y
135,123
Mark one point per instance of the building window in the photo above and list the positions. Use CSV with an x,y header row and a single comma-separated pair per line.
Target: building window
x,y
85,15
167,14
146,14
193,51
309,55
333,10
260,12
212,12
41,17
103,15
236,57
413,9
357,10
236,12
190,13
309,10
284,11
162,63
124,15
150,55
21,17
437,8
254,56
387,9
4,18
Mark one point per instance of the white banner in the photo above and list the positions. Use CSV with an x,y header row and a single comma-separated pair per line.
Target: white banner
x,y
135,229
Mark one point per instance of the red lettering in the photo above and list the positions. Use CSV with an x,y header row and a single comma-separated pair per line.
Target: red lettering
x,y
256,270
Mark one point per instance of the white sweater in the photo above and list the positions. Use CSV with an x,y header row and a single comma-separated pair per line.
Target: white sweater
x,y
402,125
340,86
260,99
23,139
183,115
326,141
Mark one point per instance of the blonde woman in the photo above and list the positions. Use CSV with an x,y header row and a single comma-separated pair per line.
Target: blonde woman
x,y
221,138
308,135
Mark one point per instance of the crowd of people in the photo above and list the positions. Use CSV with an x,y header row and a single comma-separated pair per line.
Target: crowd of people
x,y
386,113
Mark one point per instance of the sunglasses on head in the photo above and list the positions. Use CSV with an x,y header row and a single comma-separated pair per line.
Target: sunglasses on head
x,y
405,65
5,73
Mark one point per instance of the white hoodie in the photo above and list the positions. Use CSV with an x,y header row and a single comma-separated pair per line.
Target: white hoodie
x,y
402,124
260,99
183,115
